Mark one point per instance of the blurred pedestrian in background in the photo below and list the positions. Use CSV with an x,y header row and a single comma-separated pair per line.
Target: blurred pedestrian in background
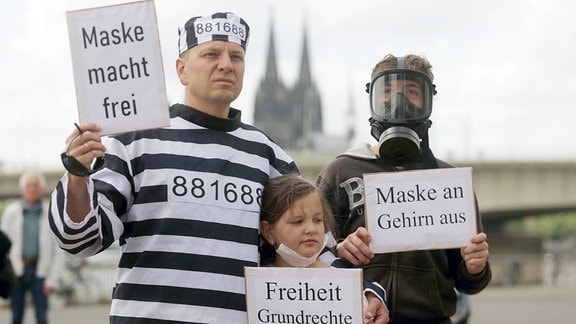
x,y
35,256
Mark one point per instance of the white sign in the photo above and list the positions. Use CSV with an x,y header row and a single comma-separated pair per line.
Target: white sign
x,y
420,209
117,64
304,295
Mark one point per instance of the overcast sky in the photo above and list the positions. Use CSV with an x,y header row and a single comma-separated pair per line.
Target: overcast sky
x,y
504,69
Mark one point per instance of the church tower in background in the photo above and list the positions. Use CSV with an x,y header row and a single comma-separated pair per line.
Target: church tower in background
x,y
292,116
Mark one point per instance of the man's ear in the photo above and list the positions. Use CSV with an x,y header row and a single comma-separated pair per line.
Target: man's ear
x,y
180,67
266,232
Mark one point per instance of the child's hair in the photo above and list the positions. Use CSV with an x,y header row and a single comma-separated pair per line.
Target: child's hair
x,y
281,192
279,195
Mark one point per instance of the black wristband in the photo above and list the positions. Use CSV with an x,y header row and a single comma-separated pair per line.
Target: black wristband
x,y
78,169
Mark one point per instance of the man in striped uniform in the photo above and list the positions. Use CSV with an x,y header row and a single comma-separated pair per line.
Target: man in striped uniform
x,y
184,200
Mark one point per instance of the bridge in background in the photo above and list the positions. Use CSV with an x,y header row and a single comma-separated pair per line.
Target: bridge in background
x,y
509,191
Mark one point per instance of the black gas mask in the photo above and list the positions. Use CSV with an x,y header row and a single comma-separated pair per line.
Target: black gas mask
x,y
400,106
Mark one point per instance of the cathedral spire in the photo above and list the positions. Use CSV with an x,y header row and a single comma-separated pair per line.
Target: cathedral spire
x,y
305,78
292,116
271,73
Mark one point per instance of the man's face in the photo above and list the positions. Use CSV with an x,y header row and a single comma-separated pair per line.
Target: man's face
x,y
409,88
32,190
212,73
400,96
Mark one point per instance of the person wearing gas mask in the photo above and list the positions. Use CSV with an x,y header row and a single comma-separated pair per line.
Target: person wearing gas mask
x,y
420,284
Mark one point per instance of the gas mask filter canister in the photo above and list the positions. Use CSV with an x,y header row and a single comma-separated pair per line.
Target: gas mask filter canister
x,y
399,144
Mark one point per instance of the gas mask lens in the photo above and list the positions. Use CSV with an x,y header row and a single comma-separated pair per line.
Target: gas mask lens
x,y
401,96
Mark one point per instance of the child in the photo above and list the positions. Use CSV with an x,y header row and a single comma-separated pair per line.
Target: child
x,y
293,223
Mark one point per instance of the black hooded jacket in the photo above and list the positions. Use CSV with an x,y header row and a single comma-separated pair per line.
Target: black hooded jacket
x,y
420,284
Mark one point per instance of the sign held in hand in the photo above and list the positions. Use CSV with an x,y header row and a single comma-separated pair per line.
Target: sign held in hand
x,y
117,64
420,209
304,295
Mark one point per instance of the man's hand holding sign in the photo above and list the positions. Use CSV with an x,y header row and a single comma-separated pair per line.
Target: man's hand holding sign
x,y
418,210
476,254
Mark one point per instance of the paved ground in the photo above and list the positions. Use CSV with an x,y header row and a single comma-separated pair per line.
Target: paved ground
x,y
507,305
526,305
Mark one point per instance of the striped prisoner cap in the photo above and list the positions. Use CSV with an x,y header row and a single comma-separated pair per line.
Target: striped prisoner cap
x,y
222,26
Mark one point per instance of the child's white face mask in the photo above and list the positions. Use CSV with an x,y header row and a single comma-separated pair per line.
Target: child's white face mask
x,y
296,260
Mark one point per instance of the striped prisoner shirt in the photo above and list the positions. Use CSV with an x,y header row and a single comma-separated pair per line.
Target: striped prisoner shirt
x,y
184,203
